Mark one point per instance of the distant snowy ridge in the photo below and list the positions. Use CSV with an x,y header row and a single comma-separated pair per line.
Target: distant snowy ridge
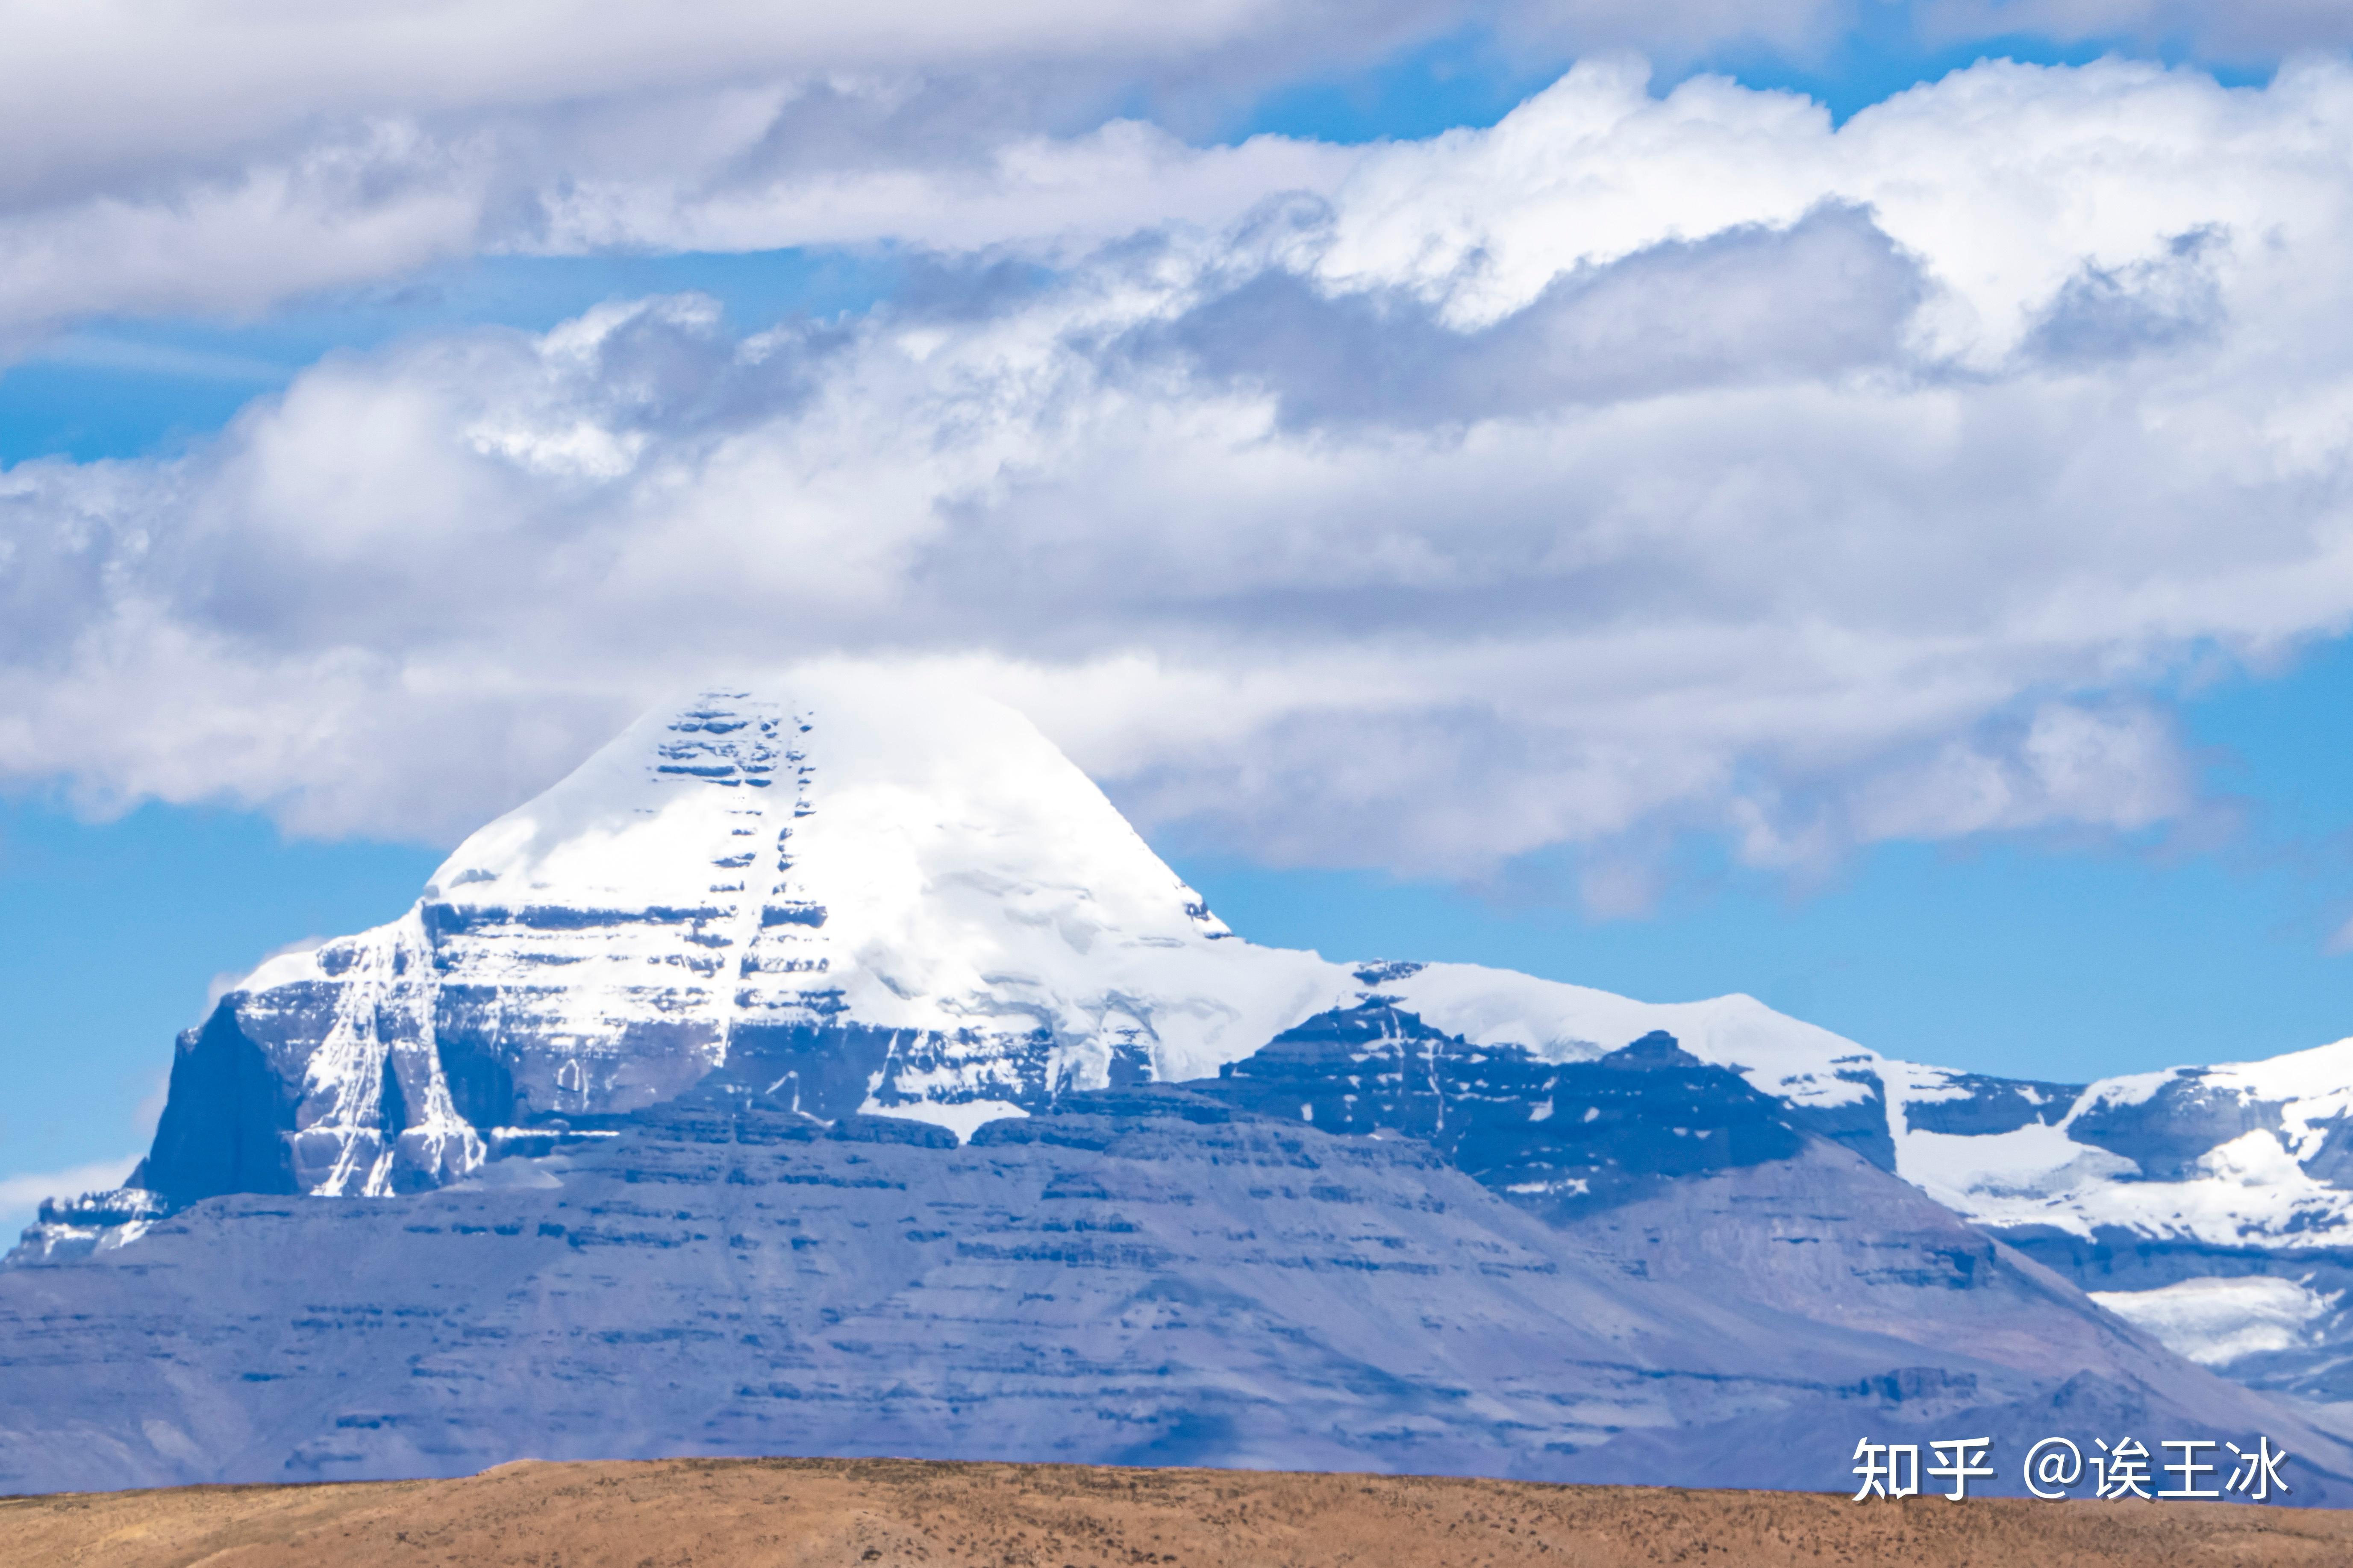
x,y
2212,1205
2239,1154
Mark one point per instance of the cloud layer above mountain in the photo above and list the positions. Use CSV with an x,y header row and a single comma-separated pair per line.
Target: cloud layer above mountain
x,y
200,158
207,158
1640,466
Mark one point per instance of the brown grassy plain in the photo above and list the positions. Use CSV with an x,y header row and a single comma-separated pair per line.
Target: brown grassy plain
x,y
815,1513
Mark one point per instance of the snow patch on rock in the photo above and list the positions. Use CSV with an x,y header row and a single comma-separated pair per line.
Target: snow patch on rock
x,y
2216,1321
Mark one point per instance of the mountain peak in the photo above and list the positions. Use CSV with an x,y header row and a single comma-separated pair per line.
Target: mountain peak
x,y
861,895
856,895
913,859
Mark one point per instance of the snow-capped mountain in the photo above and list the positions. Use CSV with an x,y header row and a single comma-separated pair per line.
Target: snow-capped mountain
x,y
903,902
2211,1205
2242,1154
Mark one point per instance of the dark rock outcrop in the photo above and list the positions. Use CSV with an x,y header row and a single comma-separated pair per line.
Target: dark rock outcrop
x,y
1560,1139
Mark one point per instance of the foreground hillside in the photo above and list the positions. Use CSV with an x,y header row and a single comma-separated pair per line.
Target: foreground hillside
x,y
717,1514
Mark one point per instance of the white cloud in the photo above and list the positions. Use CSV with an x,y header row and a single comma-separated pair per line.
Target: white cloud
x,y
184,158
1048,193
193,158
1638,466
2007,181
393,199
376,204
94,88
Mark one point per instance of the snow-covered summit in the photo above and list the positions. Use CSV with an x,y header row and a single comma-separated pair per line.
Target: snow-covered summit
x,y
919,862
858,895
910,859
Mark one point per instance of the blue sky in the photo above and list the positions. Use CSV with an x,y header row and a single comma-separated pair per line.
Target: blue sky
x,y
2183,906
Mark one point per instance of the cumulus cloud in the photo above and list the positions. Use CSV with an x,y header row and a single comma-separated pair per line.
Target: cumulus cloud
x,y
1638,466
210,160
182,158
1825,295
92,89
391,198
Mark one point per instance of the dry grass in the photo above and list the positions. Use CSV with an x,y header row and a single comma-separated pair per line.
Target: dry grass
x,y
761,1512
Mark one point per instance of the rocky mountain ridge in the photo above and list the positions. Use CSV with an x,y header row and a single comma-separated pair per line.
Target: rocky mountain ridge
x,y
863,906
